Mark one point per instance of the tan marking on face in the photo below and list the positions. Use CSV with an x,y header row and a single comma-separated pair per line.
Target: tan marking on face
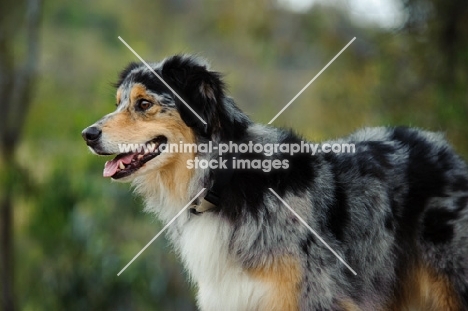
x,y
134,127
138,91
283,276
130,126
425,289
174,174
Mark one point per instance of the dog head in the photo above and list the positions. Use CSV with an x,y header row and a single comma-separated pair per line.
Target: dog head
x,y
178,100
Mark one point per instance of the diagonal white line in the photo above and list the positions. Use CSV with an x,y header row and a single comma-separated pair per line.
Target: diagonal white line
x,y
310,82
313,231
152,70
162,230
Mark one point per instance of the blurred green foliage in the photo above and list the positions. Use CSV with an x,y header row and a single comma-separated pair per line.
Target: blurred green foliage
x,y
75,230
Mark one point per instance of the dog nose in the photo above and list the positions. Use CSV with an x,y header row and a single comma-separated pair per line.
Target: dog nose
x,y
91,134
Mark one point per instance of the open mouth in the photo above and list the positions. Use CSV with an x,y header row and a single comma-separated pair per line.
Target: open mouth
x,y
125,164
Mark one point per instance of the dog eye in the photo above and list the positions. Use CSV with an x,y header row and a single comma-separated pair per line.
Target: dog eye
x,y
144,104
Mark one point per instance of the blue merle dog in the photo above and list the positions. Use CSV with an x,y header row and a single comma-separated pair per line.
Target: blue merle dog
x,y
395,210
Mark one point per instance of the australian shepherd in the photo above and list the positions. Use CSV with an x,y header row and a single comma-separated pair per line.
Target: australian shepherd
x,y
395,210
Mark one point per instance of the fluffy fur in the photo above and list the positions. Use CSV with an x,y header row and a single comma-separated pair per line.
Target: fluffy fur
x,y
396,210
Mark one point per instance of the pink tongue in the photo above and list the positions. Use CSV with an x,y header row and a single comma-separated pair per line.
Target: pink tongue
x,y
110,168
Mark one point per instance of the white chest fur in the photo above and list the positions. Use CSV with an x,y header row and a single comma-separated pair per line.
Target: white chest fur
x,y
222,283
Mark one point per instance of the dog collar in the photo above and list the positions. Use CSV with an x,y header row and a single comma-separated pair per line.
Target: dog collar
x,y
211,199
222,177
204,206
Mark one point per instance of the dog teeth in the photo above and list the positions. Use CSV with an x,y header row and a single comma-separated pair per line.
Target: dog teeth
x,y
140,156
121,166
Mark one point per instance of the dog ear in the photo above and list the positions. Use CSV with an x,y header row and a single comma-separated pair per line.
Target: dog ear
x,y
202,90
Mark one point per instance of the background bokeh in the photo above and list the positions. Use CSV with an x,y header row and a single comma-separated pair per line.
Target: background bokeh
x,y
66,231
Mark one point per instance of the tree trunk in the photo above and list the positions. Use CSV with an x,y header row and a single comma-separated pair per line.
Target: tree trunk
x,y
15,94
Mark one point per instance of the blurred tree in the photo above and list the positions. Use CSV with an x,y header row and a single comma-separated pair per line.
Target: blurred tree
x,y
15,93
424,69
445,28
